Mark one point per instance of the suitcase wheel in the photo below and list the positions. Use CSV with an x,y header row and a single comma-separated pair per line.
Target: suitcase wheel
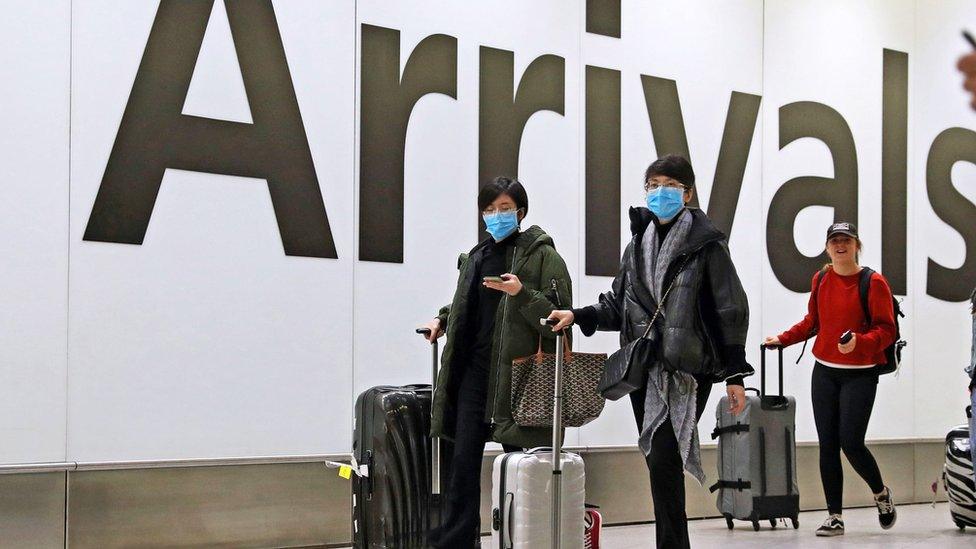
x,y
755,525
796,523
961,526
772,522
728,522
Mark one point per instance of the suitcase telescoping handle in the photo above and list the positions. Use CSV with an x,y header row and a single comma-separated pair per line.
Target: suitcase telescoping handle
x,y
762,367
435,443
557,443
433,347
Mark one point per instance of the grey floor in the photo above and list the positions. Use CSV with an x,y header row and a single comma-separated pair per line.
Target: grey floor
x,y
917,526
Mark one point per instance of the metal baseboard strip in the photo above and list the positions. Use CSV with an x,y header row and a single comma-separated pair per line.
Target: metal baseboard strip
x,y
59,467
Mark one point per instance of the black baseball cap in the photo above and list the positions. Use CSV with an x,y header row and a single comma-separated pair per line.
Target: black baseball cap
x,y
842,228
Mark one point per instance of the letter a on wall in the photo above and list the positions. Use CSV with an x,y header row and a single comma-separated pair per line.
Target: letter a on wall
x,y
155,135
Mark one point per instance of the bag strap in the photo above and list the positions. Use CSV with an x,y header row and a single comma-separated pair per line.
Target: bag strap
x,y
863,286
737,428
731,484
567,351
664,298
815,296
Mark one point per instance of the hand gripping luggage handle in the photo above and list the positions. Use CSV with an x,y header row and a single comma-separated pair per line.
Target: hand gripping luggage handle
x,y
762,368
557,445
435,443
433,346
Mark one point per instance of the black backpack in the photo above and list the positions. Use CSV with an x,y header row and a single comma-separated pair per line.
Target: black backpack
x,y
892,352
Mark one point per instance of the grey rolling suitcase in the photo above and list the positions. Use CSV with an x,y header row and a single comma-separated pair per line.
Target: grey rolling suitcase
x,y
757,456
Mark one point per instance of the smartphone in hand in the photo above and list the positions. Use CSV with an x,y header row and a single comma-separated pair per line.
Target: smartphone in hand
x,y
495,279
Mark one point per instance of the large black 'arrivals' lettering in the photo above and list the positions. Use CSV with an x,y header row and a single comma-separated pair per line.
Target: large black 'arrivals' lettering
x,y
154,134
951,146
602,181
503,112
816,120
602,171
894,171
386,102
668,129
603,17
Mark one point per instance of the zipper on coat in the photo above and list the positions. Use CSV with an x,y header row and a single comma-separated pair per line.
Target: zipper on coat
x,y
498,363
555,290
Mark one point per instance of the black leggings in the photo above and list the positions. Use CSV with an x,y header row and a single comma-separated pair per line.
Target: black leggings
x,y
842,403
461,526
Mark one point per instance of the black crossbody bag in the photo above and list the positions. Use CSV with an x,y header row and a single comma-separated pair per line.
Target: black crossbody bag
x,y
626,369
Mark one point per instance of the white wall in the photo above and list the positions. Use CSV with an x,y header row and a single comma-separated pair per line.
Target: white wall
x,y
941,328
831,53
34,88
710,50
207,340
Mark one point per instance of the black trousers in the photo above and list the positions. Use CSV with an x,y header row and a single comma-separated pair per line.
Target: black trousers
x,y
842,404
668,473
461,527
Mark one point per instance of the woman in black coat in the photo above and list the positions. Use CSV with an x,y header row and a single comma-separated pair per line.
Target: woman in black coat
x,y
702,329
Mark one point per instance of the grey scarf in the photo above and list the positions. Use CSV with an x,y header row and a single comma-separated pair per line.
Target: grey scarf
x,y
669,396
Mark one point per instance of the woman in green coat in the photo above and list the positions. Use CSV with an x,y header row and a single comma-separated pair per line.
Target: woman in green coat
x,y
506,284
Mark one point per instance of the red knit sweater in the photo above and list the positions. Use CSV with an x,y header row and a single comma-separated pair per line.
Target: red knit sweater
x,y
838,309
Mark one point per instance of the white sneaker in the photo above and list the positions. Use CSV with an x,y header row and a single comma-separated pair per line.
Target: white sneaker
x,y
833,526
887,515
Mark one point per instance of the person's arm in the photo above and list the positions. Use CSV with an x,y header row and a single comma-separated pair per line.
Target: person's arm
x,y
607,313
882,331
803,329
442,316
971,369
538,304
732,310
967,66
439,325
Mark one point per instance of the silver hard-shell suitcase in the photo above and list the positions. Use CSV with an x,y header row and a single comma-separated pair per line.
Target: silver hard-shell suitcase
x,y
757,456
527,488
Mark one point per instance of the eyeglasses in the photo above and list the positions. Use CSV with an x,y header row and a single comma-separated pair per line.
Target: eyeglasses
x,y
503,210
673,185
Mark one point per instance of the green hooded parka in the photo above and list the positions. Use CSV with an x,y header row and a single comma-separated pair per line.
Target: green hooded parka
x,y
546,284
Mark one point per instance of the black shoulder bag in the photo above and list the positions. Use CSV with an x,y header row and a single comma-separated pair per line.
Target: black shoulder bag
x,y
626,370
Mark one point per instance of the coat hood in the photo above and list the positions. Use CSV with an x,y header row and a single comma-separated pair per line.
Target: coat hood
x,y
527,241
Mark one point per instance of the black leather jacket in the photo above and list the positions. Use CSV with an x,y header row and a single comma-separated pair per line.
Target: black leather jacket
x,y
704,323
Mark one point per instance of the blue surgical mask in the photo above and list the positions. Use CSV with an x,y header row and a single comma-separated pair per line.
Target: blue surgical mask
x,y
665,202
501,225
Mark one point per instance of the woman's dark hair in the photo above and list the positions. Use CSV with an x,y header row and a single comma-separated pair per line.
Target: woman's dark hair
x,y
674,166
503,185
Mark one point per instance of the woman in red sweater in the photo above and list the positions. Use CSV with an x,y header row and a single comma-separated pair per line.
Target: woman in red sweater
x,y
845,377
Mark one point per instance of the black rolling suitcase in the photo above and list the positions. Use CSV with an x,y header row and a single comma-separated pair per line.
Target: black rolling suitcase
x,y
396,499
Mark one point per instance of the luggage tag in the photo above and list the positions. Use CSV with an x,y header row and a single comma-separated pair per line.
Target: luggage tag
x,y
346,470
